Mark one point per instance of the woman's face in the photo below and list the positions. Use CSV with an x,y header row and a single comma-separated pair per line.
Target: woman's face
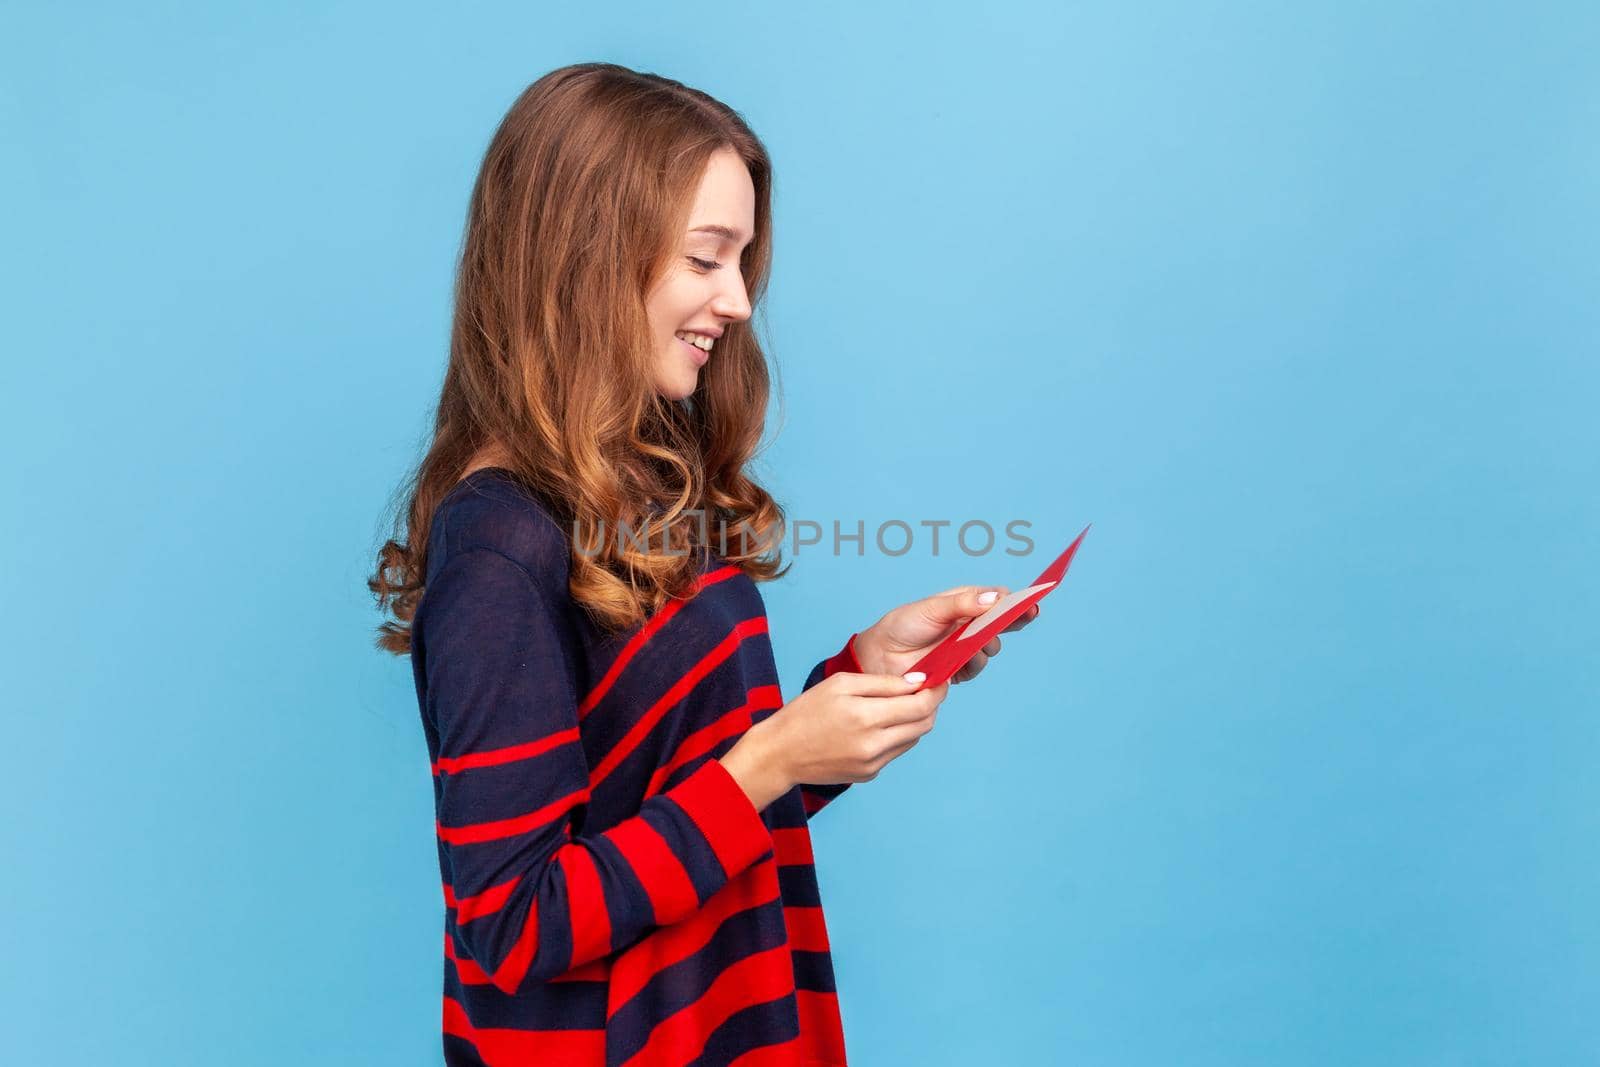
x,y
703,290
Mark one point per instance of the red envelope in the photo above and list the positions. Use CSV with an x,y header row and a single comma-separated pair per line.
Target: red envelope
x,y
951,654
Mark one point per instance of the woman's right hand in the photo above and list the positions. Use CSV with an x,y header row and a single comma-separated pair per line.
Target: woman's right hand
x,y
846,728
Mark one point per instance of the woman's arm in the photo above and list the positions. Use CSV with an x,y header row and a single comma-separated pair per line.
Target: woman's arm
x,y
531,899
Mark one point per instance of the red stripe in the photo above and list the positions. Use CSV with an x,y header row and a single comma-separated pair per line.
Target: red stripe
x,y
514,1048
821,1030
642,638
793,847
637,965
812,802
706,738
807,931
672,894
510,754
586,904
474,833
680,689
755,979
485,903
721,810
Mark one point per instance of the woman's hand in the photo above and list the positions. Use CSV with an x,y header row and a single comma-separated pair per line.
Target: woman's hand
x,y
897,641
846,728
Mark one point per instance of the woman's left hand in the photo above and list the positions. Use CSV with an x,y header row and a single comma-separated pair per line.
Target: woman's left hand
x,y
898,640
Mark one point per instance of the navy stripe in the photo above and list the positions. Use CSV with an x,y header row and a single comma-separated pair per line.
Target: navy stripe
x,y
754,1027
813,971
798,884
687,843
545,1006
500,790
459,1052
627,901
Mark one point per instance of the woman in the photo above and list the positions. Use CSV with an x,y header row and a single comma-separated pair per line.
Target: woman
x,y
622,793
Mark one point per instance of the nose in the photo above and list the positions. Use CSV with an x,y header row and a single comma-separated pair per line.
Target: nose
x,y
731,301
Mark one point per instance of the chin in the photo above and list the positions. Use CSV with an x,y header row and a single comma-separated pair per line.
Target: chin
x,y
681,389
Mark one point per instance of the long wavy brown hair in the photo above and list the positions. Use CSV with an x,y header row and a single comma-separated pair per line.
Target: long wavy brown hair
x,y
578,209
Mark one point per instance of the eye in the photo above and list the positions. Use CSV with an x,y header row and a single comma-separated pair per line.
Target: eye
x,y
704,265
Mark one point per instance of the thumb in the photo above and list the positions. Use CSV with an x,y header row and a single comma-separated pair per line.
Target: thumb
x,y
964,602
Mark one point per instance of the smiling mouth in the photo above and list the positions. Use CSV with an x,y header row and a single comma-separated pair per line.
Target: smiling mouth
x,y
696,353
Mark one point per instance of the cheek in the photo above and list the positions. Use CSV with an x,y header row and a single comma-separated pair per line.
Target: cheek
x,y
678,300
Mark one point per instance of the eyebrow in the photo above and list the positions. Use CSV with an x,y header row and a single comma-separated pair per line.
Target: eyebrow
x,y
721,231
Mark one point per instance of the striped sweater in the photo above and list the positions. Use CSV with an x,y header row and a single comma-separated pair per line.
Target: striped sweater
x,y
611,895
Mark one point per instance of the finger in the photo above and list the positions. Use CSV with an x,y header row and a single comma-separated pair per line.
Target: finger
x,y
889,712
877,685
972,667
1022,620
992,649
900,738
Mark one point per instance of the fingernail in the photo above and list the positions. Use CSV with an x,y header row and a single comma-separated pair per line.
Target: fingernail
x,y
915,677
990,597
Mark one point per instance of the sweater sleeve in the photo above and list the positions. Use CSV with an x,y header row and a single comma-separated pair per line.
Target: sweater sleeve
x,y
531,898
816,797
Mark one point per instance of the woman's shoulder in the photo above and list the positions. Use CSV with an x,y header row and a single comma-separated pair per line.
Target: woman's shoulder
x,y
489,510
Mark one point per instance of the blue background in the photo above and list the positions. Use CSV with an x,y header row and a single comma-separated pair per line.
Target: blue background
x,y
1295,303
